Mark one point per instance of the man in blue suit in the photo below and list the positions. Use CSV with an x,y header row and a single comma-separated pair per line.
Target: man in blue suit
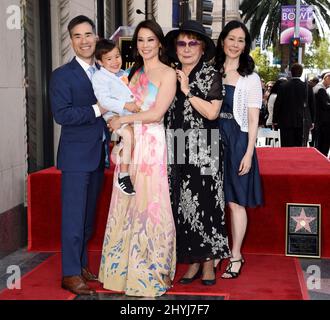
x,y
81,152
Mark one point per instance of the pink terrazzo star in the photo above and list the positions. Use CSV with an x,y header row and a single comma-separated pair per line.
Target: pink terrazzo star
x,y
303,221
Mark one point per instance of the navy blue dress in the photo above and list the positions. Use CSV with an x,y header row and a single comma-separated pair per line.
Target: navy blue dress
x,y
244,190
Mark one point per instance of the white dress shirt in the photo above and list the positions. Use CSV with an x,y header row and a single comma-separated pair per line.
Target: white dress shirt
x,y
86,66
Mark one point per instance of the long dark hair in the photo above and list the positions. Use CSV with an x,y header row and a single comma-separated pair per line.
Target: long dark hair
x,y
157,30
246,63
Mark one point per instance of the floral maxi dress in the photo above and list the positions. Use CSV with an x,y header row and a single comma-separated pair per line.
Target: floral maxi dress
x,y
140,242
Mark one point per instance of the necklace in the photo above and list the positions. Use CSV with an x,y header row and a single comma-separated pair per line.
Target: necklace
x,y
224,75
223,90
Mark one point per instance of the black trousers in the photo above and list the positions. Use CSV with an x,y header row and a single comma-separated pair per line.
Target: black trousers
x,y
291,137
323,139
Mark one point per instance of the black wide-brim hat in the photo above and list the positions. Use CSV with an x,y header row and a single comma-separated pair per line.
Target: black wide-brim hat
x,y
194,27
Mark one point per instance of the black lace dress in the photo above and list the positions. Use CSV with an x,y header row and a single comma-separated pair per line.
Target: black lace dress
x,y
195,169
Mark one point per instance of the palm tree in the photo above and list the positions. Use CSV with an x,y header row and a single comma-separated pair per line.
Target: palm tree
x,y
258,11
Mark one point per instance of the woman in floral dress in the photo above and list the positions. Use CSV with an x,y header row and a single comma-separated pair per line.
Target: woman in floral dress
x,y
196,170
139,246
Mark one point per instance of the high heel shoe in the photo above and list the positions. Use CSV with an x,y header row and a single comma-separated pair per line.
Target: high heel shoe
x,y
210,282
189,280
229,271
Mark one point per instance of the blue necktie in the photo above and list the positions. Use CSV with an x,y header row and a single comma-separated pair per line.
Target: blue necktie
x,y
90,72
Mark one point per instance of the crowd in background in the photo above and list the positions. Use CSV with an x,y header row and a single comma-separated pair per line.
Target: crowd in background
x,y
316,103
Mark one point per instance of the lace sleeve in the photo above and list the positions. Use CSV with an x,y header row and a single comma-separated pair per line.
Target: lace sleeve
x,y
215,92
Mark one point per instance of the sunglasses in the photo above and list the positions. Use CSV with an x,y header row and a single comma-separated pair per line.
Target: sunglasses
x,y
191,44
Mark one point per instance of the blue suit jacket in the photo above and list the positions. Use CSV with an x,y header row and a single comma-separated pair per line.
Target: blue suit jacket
x,y
72,97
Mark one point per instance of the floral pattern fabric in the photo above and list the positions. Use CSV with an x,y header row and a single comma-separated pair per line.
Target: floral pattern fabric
x,y
196,186
140,242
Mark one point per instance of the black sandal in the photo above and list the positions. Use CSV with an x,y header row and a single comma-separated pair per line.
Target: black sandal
x,y
233,274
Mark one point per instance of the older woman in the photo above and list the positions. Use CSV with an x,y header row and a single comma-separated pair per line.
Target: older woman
x,y
196,174
239,126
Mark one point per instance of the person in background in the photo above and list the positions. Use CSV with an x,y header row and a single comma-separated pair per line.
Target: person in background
x,y
313,81
271,100
322,122
238,123
268,88
263,114
294,110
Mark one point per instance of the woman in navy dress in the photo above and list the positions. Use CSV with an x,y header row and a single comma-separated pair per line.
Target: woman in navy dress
x,y
238,127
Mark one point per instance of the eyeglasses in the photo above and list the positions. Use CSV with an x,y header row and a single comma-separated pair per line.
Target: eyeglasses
x,y
191,44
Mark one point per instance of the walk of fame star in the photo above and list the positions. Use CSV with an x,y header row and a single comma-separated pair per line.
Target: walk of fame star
x,y
303,221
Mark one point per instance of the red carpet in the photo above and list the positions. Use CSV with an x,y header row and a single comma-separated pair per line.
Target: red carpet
x,y
265,277
289,175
